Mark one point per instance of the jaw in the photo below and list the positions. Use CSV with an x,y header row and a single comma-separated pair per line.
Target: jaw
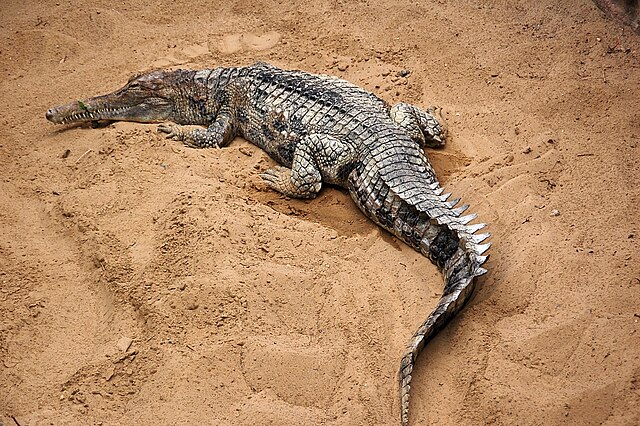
x,y
146,98
111,108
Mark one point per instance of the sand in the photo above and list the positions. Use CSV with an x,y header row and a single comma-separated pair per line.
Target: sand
x,y
144,282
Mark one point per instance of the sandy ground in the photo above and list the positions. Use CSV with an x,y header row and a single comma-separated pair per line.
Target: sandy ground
x,y
143,282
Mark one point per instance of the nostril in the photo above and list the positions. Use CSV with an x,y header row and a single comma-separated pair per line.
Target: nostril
x,y
49,114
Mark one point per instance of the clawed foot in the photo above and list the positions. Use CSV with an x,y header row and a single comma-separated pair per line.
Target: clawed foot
x,y
177,134
279,179
438,129
438,113
172,132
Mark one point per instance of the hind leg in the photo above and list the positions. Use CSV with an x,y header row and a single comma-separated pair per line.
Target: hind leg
x,y
317,158
421,126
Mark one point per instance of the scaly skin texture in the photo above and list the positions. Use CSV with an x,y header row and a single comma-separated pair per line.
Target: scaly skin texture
x,y
321,129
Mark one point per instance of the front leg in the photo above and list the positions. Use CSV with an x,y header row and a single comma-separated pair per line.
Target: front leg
x,y
422,127
219,134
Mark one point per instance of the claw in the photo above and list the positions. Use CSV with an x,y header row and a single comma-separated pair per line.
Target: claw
x,y
172,132
190,143
273,175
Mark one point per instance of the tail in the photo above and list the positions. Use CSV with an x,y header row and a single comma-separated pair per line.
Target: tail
x,y
405,198
459,274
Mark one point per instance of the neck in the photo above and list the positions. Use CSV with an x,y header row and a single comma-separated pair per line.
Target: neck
x,y
197,100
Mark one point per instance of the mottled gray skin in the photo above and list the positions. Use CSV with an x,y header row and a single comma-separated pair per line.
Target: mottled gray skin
x,y
320,129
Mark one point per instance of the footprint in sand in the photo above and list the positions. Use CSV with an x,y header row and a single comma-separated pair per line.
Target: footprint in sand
x,y
227,45
185,55
233,43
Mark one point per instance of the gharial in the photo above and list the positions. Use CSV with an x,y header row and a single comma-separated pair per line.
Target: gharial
x,y
321,129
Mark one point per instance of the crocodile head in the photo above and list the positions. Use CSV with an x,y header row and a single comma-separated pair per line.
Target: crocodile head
x,y
146,98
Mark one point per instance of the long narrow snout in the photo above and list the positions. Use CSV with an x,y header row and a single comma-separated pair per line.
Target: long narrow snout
x,y
74,112
146,98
